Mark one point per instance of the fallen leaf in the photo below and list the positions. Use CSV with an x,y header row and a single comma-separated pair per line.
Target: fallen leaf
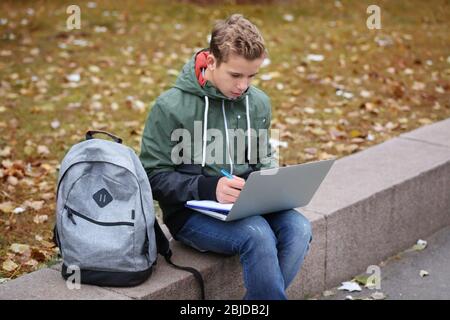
x,y
47,196
328,293
439,89
279,86
7,207
312,151
345,94
365,94
378,296
38,219
350,286
324,156
420,245
370,107
55,124
336,134
38,255
425,121
31,263
418,85
6,152
9,265
288,17
94,69
361,279
315,57
74,77
391,126
19,248
423,273
12,180
292,121
318,131
355,133
42,150
47,244
18,210
309,110
36,205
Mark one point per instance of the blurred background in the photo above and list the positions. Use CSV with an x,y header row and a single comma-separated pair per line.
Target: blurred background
x,y
337,86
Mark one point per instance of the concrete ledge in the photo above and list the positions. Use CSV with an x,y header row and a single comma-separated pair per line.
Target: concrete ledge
x,y
373,204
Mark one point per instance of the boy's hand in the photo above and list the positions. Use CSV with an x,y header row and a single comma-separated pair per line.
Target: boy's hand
x,y
228,190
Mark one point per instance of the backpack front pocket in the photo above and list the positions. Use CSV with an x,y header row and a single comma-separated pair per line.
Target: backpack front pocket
x,y
98,245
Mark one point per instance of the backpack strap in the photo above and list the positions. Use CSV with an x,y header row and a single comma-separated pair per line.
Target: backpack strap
x,y
163,248
90,135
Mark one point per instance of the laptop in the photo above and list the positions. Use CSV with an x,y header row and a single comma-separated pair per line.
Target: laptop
x,y
270,191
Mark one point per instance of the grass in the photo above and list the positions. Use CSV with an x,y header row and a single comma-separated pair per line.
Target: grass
x,y
395,88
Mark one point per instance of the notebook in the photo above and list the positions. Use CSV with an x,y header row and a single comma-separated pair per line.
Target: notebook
x,y
270,191
211,208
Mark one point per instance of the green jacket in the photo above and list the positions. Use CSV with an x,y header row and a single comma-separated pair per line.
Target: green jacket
x,y
194,175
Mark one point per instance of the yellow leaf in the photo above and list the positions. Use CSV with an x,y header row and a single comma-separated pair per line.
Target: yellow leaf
x,y
47,244
47,167
9,265
47,196
6,207
425,121
355,133
324,155
318,131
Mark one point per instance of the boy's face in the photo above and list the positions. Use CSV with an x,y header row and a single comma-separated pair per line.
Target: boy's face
x,y
232,77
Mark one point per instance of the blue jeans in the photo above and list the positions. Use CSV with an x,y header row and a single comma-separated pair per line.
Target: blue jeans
x,y
271,247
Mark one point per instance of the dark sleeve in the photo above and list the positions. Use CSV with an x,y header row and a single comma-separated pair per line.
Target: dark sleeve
x,y
176,187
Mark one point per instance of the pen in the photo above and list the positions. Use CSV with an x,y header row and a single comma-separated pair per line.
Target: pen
x,y
226,174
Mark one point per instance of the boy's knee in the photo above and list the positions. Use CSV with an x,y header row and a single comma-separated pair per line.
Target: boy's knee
x,y
303,228
259,237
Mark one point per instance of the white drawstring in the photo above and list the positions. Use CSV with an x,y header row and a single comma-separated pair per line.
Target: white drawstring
x,y
249,145
205,127
226,136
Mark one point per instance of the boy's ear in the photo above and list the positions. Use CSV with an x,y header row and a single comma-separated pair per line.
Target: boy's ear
x,y
211,61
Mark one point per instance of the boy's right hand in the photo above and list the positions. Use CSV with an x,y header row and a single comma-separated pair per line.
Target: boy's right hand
x,y
228,190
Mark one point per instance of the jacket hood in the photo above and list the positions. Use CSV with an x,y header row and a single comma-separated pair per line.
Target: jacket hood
x,y
188,82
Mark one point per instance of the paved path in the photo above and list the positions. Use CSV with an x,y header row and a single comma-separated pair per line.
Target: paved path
x,y
400,275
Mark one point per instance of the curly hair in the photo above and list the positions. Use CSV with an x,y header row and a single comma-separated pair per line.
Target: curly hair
x,y
236,35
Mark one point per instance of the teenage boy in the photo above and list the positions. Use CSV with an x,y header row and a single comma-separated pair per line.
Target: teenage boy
x,y
213,90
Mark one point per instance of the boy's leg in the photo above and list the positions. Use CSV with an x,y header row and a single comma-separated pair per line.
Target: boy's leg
x,y
252,238
293,232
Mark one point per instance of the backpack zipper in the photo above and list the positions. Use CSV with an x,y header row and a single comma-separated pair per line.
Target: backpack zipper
x,y
71,213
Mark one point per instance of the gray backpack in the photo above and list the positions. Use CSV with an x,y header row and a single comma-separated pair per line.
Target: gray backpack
x,y
105,220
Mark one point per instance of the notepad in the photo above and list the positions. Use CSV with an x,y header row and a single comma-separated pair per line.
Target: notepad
x,y
208,205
